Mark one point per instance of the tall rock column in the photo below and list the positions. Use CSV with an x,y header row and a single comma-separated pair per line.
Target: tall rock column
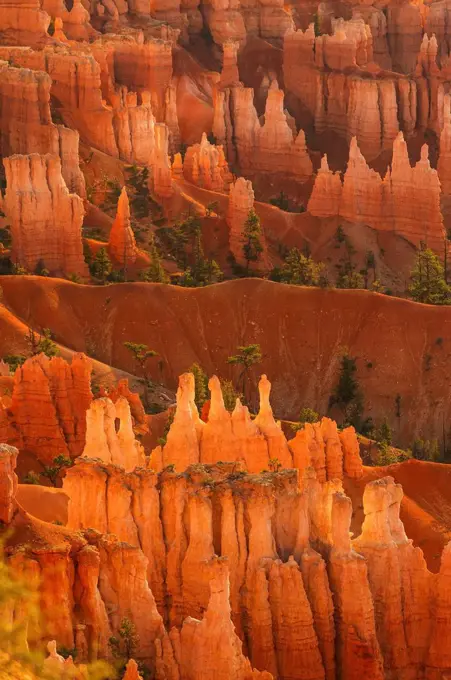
x,y
122,245
325,198
277,443
45,218
378,547
241,202
211,647
358,653
444,160
182,445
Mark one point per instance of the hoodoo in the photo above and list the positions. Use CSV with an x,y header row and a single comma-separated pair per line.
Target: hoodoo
x,y
225,332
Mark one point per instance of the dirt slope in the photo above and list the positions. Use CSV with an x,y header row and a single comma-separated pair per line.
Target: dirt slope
x,y
401,347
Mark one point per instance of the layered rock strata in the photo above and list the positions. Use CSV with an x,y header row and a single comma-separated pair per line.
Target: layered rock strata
x,y
204,164
26,125
45,218
50,397
274,147
406,201
262,557
325,74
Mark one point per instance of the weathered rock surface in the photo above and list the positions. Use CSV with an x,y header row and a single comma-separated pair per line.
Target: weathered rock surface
x,y
49,403
26,125
399,202
205,165
45,218
122,244
109,434
272,147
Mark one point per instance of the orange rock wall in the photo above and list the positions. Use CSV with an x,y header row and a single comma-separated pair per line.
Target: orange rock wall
x,y
45,218
49,402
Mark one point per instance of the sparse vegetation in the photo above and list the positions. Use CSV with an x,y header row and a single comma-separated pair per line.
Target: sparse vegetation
x,y
155,273
101,266
230,395
41,342
428,283
308,415
426,449
252,233
200,384
14,361
300,270
348,397
246,357
53,472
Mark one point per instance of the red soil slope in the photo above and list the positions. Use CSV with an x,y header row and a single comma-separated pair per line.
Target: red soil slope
x,y
401,347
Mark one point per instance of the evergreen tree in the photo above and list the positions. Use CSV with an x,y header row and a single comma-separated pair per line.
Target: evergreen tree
x,y
252,233
348,396
155,273
308,415
428,283
384,433
187,280
141,354
229,394
41,343
200,385
214,272
52,472
301,270
101,266
281,201
246,357
316,25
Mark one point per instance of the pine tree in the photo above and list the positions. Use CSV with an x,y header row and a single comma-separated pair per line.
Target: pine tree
x,y
384,433
301,270
252,233
200,385
155,273
214,272
247,356
101,266
428,283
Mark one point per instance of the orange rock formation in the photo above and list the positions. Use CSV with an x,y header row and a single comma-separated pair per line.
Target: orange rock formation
x,y
122,245
106,443
276,567
205,165
25,119
50,397
381,203
45,218
272,147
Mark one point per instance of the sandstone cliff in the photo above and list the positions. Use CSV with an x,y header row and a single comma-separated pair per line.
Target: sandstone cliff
x,y
45,218
272,147
262,557
366,198
25,119
49,402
